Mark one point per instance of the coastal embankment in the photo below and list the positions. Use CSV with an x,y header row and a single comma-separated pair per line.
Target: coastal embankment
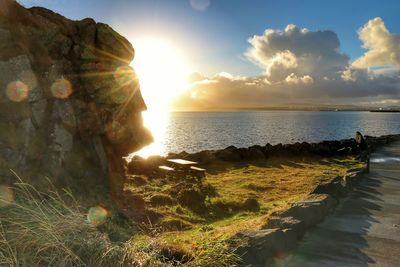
x,y
279,192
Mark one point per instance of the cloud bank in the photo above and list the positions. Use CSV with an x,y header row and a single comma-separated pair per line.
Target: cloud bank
x,y
383,47
300,65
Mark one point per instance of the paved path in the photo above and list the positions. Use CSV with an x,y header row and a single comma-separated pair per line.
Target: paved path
x,y
365,228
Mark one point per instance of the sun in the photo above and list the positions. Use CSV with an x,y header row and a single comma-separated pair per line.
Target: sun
x,y
162,70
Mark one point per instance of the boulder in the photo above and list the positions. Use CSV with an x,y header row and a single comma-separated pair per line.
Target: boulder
x,y
291,237
267,149
297,225
70,101
261,246
230,153
311,210
322,148
138,166
203,157
336,188
352,178
253,153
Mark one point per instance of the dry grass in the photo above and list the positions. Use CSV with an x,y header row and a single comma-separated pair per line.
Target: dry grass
x,y
274,183
41,229
278,181
50,229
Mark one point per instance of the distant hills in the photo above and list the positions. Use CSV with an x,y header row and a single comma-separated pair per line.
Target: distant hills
x,y
305,107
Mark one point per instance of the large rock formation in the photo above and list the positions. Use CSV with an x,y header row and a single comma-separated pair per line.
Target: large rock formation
x,y
70,105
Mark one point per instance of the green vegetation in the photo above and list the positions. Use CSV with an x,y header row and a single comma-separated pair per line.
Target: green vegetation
x,y
232,197
50,229
194,221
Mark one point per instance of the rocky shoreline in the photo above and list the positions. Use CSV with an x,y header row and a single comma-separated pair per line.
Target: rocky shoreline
x,y
258,152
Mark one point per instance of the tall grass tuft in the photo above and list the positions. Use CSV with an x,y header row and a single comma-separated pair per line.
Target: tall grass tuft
x,y
50,229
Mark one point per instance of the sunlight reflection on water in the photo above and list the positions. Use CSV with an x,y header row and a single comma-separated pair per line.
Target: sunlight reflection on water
x,y
158,123
195,131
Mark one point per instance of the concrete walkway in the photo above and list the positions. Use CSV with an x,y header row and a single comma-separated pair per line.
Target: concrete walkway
x,y
365,228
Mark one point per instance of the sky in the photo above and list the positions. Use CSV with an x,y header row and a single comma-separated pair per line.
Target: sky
x,y
258,53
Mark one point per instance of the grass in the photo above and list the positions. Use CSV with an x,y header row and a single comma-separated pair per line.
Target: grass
x,y
275,184
278,181
43,229
52,229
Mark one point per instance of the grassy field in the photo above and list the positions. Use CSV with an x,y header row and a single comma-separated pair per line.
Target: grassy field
x,y
202,230
192,221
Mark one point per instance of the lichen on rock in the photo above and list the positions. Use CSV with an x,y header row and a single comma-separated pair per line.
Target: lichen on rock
x,y
70,104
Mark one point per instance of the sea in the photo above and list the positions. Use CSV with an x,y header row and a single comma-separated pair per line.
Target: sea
x,y
196,131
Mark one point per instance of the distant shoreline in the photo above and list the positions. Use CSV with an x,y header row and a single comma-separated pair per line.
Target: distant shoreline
x,y
386,111
283,109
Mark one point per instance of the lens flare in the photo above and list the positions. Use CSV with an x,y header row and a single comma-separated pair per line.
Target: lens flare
x,y
123,94
200,5
17,91
7,196
61,88
125,75
97,215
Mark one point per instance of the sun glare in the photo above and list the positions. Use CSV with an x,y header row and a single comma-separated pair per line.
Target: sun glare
x,y
162,72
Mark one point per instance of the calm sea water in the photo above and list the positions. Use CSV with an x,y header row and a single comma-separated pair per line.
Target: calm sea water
x,y
195,131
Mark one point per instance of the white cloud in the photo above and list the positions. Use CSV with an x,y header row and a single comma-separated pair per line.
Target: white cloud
x,y
383,47
299,51
300,65
347,75
293,79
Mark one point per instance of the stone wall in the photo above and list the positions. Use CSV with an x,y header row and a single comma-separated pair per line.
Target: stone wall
x,y
280,233
70,105
284,228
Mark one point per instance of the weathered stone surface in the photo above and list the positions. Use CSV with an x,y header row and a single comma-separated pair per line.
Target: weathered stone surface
x,y
253,153
352,178
286,223
230,153
283,229
336,188
70,103
261,246
311,210
203,157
